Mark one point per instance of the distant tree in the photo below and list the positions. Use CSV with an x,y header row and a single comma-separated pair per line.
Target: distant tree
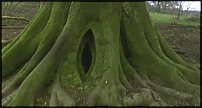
x,y
168,7
179,5
158,6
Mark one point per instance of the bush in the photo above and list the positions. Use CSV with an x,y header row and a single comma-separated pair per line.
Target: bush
x,y
193,19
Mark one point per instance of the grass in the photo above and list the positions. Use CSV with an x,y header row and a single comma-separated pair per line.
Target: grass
x,y
169,19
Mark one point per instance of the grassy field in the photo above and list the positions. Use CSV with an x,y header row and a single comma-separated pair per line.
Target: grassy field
x,y
169,19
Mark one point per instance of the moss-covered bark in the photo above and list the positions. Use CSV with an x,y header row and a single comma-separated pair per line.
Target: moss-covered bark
x,y
131,63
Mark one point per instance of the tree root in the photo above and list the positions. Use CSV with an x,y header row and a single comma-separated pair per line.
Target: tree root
x,y
5,49
145,97
133,77
154,44
165,73
8,46
6,42
167,92
109,91
59,97
9,89
27,43
44,46
16,80
8,99
170,53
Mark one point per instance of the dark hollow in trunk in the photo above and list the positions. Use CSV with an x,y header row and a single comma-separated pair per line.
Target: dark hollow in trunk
x,y
86,58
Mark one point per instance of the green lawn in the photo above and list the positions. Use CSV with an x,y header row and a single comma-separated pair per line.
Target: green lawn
x,y
169,19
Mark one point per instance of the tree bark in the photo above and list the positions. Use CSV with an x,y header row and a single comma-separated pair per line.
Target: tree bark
x,y
179,10
158,6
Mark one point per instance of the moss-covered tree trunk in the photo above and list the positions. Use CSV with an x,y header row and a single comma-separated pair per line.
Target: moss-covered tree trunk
x,y
107,53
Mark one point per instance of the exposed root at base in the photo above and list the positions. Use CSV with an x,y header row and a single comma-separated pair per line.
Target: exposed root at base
x,y
145,97
8,99
59,97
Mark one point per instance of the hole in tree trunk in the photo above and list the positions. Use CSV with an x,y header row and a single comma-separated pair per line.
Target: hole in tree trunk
x,y
86,55
86,58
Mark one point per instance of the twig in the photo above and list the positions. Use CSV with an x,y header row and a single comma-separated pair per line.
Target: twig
x,y
17,18
13,27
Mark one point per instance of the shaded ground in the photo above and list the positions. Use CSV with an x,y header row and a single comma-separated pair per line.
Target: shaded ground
x,y
184,40
26,10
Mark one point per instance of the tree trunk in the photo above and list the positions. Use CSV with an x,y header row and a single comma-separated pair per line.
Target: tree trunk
x,y
84,53
179,10
158,6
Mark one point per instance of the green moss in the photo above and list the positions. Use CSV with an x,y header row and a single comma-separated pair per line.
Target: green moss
x,y
9,61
